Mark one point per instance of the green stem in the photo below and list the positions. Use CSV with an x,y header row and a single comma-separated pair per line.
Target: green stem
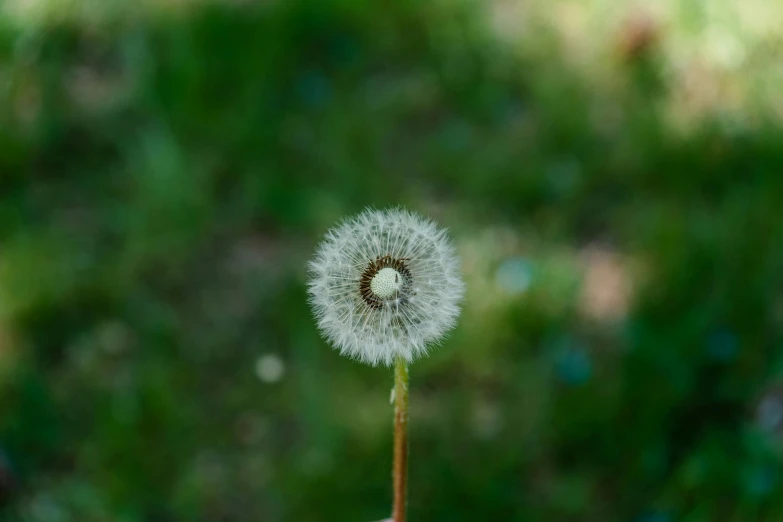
x,y
400,467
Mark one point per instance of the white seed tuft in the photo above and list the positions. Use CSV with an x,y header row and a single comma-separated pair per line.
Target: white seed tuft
x,y
385,284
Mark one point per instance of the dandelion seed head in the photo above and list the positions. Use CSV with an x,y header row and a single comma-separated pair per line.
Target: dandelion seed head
x,y
385,284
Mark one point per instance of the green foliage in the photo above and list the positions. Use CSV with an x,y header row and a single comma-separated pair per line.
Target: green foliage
x,y
163,181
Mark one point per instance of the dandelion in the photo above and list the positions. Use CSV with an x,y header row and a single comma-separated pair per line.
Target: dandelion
x,y
385,286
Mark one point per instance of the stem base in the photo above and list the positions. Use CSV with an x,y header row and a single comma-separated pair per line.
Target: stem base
x,y
400,466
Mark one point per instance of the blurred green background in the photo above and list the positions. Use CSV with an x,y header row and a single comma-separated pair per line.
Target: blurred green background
x,y
612,175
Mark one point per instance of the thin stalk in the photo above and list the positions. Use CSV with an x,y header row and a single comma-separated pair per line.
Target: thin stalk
x,y
400,467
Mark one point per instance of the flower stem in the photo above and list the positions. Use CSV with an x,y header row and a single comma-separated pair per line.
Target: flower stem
x,y
400,467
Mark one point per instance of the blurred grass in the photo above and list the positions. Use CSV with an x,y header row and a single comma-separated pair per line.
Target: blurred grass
x,y
611,178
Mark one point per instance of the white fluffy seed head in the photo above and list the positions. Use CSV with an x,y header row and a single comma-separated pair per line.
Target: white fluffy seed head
x,y
385,284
